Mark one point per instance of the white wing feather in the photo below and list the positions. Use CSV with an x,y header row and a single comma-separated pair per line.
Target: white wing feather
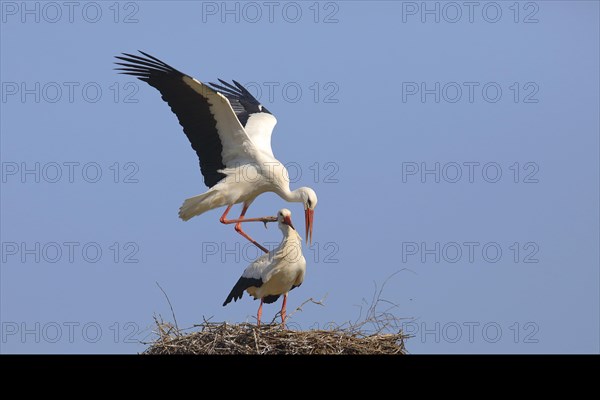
x,y
258,269
238,147
259,129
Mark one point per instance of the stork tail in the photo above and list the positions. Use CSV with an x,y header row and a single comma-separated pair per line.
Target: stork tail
x,y
200,204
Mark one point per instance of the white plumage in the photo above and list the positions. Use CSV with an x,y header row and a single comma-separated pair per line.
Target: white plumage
x,y
231,133
275,273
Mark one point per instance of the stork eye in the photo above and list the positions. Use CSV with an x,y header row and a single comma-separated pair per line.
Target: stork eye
x,y
309,203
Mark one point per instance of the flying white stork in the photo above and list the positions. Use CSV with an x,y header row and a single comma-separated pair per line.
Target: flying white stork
x,y
231,133
275,273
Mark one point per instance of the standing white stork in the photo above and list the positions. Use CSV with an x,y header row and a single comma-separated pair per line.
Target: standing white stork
x,y
276,273
231,133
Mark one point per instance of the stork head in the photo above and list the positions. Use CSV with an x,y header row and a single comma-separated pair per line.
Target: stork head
x,y
284,217
309,198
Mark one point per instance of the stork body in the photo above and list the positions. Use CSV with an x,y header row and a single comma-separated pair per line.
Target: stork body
x,y
275,273
231,133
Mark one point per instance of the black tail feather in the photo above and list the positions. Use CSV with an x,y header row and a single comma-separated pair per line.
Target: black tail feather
x,y
271,299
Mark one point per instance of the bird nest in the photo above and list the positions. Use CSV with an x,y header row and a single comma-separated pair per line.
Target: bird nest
x,y
224,338
375,331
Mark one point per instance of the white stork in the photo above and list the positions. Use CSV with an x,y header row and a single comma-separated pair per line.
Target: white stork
x,y
276,273
231,133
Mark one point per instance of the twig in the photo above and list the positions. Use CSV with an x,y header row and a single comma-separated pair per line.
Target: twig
x,y
311,300
171,306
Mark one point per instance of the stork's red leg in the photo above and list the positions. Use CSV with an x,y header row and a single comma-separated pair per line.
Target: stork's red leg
x,y
283,311
238,224
259,219
259,313
224,219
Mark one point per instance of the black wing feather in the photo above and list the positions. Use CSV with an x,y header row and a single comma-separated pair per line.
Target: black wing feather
x,y
244,283
241,285
242,101
190,107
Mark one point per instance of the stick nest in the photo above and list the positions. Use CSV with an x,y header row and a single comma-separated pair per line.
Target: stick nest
x,y
375,331
245,338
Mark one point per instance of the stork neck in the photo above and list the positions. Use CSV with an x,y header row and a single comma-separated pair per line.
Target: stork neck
x,y
289,234
293,196
285,229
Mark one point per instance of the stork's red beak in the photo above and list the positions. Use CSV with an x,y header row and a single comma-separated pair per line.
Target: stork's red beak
x,y
308,215
288,221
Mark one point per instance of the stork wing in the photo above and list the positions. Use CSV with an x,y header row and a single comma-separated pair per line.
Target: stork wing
x,y
252,276
206,116
238,289
256,119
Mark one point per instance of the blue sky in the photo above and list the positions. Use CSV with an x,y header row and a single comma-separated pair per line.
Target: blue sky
x,y
455,144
